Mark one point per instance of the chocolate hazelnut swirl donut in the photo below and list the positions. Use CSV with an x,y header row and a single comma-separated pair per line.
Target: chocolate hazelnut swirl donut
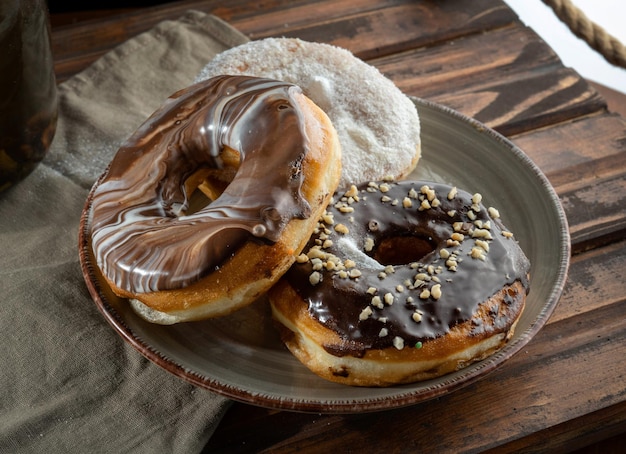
x,y
401,282
267,158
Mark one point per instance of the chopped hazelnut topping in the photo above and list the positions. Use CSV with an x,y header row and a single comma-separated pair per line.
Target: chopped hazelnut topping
x,y
457,226
495,214
340,228
369,244
407,203
450,263
328,218
425,205
377,302
456,236
388,178
452,193
317,264
388,299
425,294
398,342
383,332
435,291
389,269
477,198
487,225
302,258
342,274
382,275
352,192
483,244
451,213
349,263
471,215
384,187
327,244
482,233
365,313
477,253
346,209
316,252
412,193
417,317
315,278
394,202
428,192
399,288
444,253
435,203
422,277
354,273
330,266
419,283
409,299
507,234
451,242
371,291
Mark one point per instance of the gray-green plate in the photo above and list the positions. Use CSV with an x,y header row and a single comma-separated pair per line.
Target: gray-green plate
x,y
241,356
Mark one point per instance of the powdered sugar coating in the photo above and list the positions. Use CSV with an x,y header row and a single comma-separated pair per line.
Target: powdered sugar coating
x,y
378,126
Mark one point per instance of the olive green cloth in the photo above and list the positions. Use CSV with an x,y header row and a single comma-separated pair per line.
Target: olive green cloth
x,y
68,382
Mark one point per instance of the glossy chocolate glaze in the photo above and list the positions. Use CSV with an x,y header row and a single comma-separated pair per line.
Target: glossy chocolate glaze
x,y
143,240
343,304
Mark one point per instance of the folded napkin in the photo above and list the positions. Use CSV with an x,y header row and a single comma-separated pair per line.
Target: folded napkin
x,y
68,382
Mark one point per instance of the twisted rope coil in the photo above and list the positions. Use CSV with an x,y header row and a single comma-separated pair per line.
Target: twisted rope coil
x,y
598,39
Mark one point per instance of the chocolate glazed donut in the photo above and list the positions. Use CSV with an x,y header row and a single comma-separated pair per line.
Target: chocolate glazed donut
x,y
262,134
402,282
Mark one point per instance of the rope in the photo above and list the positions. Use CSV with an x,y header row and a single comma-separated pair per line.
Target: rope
x,y
598,39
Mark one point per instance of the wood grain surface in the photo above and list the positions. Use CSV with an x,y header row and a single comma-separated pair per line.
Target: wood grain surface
x,y
567,388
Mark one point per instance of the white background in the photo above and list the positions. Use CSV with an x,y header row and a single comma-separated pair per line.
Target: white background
x,y
574,52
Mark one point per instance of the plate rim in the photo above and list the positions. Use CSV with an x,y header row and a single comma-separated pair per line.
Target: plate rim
x,y
405,397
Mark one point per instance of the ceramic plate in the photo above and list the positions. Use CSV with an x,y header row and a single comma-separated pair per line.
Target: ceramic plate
x,y
241,356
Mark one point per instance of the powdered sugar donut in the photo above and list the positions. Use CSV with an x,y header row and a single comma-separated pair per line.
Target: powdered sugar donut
x,y
378,126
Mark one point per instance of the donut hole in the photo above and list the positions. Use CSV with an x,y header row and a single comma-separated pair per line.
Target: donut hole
x,y
401,250
197,201
206,185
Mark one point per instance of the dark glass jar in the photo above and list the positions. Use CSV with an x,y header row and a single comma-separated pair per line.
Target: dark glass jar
x,y
28,92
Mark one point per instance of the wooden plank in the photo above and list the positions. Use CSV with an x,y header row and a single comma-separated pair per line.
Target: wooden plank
x,y
418,23
596,279
337,22
507,78
596,213
528,101
525,390
593,147
585,160
576,436
274,20
468,62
